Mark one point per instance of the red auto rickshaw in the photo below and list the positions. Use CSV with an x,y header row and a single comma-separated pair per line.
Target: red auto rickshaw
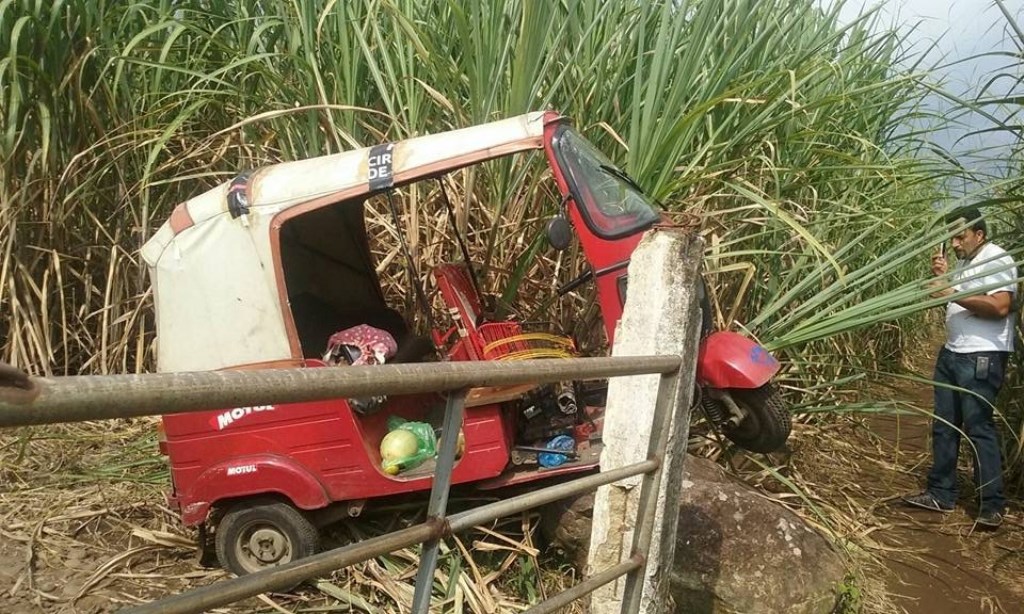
x,y
274,267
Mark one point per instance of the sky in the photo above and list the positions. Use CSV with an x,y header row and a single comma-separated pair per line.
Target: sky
x,y
959,30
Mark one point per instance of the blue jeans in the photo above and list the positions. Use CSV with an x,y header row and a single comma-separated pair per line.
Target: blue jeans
x,y
972,413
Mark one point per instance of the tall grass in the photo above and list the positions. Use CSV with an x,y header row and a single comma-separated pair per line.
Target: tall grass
x,y
777,123
788,134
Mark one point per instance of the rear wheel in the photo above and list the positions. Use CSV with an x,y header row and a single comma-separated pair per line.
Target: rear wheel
x,y
766,423
255,535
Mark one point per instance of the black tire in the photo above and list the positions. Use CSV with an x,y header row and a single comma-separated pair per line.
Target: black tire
x,y
261,533
767,423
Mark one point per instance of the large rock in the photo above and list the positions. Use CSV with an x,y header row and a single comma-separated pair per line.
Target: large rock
x,y
736,551
566,525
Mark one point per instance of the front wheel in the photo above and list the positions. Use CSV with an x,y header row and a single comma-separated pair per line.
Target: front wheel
x,y
766,422
255,535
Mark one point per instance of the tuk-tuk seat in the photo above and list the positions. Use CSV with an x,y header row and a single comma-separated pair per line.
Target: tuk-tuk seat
x,y
478,339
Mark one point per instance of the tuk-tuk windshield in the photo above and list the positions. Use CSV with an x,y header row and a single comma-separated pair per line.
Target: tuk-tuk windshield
x,y
611,203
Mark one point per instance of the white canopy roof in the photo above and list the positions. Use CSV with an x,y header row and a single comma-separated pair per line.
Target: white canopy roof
x,y
218,285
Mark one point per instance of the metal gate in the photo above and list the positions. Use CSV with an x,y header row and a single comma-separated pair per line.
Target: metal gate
x,y
31,401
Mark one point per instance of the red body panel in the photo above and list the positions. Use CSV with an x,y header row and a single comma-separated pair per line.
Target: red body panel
x,y
730,360
726,359
313,453
607,258
250,475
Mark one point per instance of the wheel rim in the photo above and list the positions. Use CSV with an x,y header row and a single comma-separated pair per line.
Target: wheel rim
x,y
262,545
749,426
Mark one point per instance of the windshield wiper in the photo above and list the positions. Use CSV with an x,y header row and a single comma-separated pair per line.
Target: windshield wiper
x,y
621,174
624,176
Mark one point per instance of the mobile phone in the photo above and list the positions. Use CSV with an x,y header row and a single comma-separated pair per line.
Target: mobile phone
x,y
981,368
942,249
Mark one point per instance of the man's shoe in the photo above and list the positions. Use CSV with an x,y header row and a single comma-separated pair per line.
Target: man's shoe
x,y
927,501
990,520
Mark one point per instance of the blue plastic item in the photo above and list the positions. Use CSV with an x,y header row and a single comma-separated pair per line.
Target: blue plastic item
x,y
549,459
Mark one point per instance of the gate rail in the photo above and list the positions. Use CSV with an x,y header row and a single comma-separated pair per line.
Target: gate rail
x,y
37,400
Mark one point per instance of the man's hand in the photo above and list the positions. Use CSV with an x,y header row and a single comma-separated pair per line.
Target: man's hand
x,y
939,286
940,289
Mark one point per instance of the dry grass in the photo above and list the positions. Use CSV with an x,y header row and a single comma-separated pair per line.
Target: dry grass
x,y
82,536
84,528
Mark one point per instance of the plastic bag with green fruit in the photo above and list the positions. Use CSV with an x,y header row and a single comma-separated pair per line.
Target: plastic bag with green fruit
x,y
407,445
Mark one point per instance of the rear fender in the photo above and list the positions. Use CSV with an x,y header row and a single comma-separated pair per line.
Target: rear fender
x,y
730,360
252,475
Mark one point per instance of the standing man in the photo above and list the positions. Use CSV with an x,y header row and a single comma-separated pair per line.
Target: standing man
x,y
979,338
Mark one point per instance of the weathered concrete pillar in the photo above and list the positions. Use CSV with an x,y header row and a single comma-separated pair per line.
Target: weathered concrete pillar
x,y
661,316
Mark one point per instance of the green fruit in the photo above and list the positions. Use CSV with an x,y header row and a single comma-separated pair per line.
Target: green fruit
x,y
398,444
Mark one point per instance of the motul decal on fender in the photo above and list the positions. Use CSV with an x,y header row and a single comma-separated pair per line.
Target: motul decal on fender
x,y
241,469
226,419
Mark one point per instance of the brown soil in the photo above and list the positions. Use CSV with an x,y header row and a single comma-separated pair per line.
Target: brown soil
x,y
91,549
931,563
944,562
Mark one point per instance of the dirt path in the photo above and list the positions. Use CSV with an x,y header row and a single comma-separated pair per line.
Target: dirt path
x,y
941,562
933,563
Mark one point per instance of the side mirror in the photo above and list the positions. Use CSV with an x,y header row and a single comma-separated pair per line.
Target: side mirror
x,y
559,232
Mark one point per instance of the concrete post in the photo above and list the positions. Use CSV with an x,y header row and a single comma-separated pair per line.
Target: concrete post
x,y
661,316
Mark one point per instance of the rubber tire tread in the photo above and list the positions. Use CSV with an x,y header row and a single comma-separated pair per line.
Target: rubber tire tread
x,y
772,419
304,537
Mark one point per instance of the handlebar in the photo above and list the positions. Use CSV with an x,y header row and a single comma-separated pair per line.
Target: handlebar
x,y
571,285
